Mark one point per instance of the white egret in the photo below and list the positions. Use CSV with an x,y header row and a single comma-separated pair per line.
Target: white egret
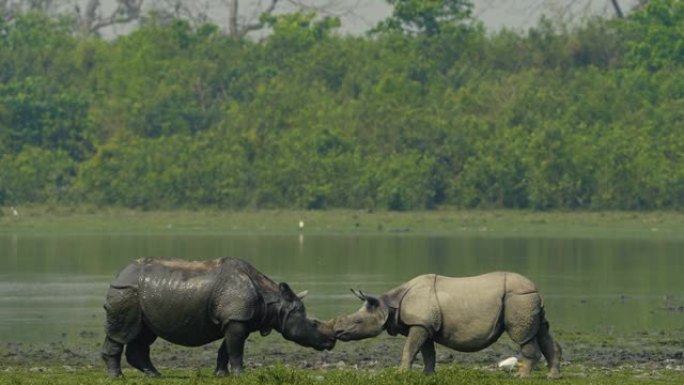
x,y
508,364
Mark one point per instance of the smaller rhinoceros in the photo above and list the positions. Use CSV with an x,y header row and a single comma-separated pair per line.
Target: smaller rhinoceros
x,y
466,314
192,303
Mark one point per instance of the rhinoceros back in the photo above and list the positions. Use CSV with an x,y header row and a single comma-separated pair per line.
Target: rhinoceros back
x,y
476,310
471,310
180,299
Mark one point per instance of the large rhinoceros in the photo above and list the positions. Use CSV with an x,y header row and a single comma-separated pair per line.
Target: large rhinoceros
x,y
192,303
466,314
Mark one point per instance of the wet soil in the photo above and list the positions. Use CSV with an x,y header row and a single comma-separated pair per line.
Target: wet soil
x,y
640,351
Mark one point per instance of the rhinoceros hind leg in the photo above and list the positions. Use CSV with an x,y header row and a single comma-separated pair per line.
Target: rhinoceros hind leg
x,y
550,349
522,320
416,338
222,361
111,354
530,355
138,352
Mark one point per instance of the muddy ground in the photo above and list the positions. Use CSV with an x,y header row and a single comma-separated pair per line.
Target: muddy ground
x,y
645,351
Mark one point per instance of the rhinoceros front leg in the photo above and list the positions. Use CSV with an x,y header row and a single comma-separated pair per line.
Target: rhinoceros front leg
x,y
232,349
138,352
416,338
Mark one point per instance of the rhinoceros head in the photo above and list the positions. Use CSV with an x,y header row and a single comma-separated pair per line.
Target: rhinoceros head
x,y
368,321
297,327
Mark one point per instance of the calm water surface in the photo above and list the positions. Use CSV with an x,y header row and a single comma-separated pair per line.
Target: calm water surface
x,y
52,287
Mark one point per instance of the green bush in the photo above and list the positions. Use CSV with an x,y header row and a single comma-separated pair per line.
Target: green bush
x,y
35,175
176,171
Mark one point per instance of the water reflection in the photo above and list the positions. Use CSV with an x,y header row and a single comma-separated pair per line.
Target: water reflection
x,y
54,286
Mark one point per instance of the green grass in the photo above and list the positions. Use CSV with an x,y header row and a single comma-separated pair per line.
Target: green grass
x,y
88,219
284,375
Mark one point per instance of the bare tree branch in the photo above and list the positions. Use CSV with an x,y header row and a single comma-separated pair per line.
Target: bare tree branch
x,y
92,21
566,10
618,9
197,12
9,9
250,26
6,11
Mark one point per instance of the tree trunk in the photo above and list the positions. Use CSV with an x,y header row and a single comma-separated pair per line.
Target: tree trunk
x,y
88,18
233,19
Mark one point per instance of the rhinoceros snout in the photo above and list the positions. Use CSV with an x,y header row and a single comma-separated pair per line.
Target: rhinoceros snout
x,y
341,329
343,335
329,344
325,328
326,344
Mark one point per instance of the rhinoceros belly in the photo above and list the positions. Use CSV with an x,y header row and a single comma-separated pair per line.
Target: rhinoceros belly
x,y
471,311
176,306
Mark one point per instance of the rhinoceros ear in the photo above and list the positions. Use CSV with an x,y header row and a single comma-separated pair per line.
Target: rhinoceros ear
x,y
287,292
359,294
372,301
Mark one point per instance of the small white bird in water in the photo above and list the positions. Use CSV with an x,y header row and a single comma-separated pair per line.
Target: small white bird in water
x,y
508,364
301,224
14,211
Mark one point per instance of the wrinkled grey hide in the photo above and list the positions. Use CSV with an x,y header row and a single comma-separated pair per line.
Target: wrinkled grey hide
x,y
192,303
466,314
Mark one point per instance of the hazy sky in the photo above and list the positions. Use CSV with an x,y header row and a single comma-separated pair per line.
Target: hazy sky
x,y
360,15
495,14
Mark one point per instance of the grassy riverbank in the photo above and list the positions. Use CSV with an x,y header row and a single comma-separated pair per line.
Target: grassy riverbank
x,y
87,219
286,375
637,359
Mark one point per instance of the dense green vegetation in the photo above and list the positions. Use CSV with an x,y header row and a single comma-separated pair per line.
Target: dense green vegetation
x,y
430,109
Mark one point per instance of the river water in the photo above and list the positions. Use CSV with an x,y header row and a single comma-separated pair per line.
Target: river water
x,y
52,287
